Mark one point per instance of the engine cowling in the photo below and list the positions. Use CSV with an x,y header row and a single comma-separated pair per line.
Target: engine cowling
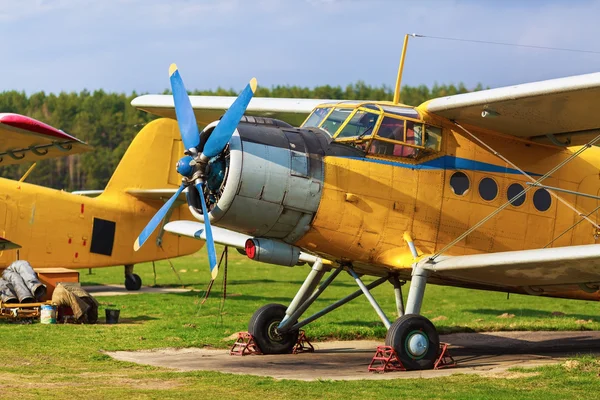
x,y
268,181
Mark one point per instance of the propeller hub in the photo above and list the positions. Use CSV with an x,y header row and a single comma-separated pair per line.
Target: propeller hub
x,y
185,166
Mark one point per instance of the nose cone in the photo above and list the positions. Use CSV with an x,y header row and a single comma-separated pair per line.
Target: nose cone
x,y
185,166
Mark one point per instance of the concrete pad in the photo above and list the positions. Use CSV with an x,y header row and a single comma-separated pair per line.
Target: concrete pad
x,y
475,353
119,290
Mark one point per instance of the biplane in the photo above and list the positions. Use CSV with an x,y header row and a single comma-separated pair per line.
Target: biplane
x,y
496,190
53,228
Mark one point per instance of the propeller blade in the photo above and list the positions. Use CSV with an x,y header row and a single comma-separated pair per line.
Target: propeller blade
x,y
184,111
155,221
210,244
224,130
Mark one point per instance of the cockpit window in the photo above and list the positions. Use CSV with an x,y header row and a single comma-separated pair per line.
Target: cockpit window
x,y
336,119
361,124
317,117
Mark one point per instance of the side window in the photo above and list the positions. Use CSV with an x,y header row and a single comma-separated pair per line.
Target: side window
x,y
459,182
433,138
514,194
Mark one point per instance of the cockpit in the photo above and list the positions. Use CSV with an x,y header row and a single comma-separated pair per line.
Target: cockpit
x,y
378,129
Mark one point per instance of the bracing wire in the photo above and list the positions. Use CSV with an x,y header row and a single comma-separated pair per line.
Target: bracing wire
x,y
529,46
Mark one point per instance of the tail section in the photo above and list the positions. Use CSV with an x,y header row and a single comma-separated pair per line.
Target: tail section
x,y
149,162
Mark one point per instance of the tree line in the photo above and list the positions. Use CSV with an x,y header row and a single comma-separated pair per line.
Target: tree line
x,y
109,123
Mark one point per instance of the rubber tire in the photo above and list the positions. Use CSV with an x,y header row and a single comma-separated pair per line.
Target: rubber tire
x,y
398,333
133,282
259,325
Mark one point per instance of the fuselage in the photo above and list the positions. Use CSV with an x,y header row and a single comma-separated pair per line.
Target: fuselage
x,y
342,186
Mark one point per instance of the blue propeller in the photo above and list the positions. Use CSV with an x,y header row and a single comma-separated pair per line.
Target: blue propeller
x,y
187,166
158,217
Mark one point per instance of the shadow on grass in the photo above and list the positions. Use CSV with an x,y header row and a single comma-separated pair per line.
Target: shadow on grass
x,y
527,312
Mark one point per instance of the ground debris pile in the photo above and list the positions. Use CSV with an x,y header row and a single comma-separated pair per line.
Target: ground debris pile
x,y
83,305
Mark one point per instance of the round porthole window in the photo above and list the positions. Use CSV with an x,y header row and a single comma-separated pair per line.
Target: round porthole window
x,y
488,189
513,194
542,200
459,182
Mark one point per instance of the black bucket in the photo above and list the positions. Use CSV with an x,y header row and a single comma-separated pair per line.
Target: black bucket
x,y
112,316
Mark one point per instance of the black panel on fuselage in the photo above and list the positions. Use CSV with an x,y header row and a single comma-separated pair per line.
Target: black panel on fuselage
x,y
103,236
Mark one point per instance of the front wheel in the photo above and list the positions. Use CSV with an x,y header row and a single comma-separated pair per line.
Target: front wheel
x,y
415,340
263,327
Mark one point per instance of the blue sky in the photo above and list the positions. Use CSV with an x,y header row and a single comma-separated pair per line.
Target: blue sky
x,y
69,45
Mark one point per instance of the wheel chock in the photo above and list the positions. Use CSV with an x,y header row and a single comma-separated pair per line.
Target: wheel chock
x,y
386,360
244,345
445,360
303,345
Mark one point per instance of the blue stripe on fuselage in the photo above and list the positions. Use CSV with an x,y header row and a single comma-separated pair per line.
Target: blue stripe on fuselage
x,y
448,162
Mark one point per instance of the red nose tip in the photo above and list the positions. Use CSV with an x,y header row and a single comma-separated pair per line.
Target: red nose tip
x,y
250,248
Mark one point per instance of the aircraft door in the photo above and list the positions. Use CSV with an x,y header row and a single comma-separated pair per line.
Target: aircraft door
x,y
584,233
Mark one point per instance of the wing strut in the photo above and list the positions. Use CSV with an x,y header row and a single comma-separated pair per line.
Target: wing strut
x,y
522,193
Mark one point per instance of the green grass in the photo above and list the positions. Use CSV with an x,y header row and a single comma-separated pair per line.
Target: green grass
x,y
67,361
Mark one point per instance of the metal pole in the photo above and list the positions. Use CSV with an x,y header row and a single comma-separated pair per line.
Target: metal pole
x,y
338,304
371,299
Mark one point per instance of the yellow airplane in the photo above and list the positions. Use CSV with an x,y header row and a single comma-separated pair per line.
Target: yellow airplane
x,y
53,228
495,190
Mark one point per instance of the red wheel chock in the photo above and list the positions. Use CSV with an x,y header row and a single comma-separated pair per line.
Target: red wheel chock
x,y
303,345
244,345
445,360
386,359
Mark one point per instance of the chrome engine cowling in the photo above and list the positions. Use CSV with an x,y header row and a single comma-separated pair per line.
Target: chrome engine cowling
x,y
268,181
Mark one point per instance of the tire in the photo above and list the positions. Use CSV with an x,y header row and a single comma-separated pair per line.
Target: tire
x,y
262,327
133,282
413,329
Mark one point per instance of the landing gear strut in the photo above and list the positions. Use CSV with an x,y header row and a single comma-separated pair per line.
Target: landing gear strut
x,y
414,338
132,281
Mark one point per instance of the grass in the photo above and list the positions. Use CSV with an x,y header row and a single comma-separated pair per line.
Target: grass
x,y
67,361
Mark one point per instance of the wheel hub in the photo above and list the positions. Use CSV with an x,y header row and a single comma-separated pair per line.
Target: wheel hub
x,y
417,344
273,332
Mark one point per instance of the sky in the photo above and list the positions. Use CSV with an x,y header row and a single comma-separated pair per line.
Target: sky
x,y
127,45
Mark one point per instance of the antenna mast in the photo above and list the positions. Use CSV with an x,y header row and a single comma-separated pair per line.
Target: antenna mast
x,y
400,69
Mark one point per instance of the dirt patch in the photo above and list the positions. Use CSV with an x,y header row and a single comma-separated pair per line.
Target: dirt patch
x,y
512,375
506,315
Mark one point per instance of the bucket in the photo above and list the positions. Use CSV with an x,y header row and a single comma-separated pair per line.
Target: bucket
x,y
112,316
48,314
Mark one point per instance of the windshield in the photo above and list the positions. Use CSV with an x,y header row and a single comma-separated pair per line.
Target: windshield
x,y
336,119
317,117
361,124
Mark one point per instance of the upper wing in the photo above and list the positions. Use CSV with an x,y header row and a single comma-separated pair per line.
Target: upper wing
x,y
25,139
551,267
566,108
210,108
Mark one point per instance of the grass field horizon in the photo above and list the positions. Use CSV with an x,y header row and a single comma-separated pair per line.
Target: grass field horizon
x,y
66,361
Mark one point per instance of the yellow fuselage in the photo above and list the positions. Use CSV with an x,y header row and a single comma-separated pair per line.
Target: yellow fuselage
x,y
368,205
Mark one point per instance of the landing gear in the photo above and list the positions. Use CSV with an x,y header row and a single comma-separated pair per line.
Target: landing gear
x,y
415,341
414,338
263,327
132,281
